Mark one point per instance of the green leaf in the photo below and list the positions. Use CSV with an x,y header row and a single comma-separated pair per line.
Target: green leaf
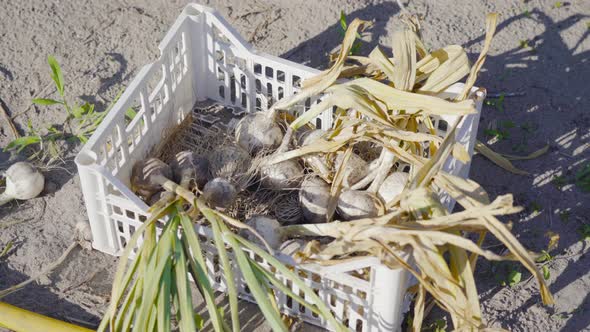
x,y
199,270
115,100
123,276
45,101
269,312
158,263
500,134
56,75
86,109
281,286
344,27
514,277
546,273
343,24
199,322
217,226
77,112
127,311
544,257
83,139
583,178
6,249
130,113
22,142
288,273
187,318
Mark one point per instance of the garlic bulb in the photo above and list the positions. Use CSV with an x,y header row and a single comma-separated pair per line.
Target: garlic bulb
x,y
317,161
354,171
229,161
268,228
313,198
292,246
356,204
190,169
219,193
284,175
23,181
147,177
392,186
308,137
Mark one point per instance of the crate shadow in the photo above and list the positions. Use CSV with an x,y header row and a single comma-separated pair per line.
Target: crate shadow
x,y
552,76
314,51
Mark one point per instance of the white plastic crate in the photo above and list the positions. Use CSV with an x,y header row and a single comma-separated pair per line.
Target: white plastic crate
x,y
202,57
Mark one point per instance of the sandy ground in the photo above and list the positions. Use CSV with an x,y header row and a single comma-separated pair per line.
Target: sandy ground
x,y
101,45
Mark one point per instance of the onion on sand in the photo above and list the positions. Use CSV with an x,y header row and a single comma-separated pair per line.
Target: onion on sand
x,y
23,181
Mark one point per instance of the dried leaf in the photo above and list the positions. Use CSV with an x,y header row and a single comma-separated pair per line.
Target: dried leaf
x,y
446,182
404,60
381,61
491,22
460,153
553,240
498,159
532,155
326,78
411,103
447,73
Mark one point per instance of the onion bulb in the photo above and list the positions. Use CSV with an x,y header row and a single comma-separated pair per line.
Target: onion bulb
x,y
268,228
392,186
258,131
356,204
23,181
313,198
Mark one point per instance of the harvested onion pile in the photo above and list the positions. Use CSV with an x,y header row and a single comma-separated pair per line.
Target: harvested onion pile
x,y
377,171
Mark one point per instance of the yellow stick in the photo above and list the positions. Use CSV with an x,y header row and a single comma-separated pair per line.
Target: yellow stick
x,y
20,320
